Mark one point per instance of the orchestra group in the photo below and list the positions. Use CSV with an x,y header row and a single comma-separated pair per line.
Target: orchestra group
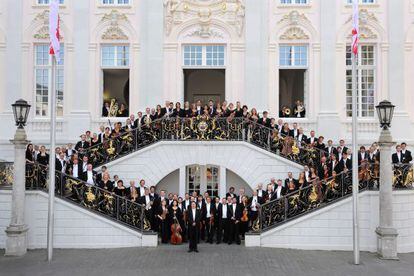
x,y
203,217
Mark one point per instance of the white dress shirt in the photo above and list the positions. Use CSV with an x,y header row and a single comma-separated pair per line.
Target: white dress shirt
x,y
224,208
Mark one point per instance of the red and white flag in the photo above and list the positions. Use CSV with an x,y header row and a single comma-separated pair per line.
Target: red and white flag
x,y
54,29
355,26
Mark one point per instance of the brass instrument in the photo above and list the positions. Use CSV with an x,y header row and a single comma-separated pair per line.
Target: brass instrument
x,y
299,109
397,177
113,108
111,149
295,148
409,179
313,196
288,111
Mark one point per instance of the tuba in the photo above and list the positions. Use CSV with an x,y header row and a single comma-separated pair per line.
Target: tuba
x,y
113,108
288,111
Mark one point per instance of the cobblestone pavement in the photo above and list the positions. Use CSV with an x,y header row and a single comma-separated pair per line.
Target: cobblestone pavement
x,y
212,260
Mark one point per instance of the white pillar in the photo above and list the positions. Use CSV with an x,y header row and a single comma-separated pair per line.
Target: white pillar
x,y
16,243
181,181
386,233
222,182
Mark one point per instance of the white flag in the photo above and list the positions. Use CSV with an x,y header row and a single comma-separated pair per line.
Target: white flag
x,y
355,26
54,32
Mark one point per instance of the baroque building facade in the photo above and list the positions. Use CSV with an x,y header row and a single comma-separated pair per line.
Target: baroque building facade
x,y
264,53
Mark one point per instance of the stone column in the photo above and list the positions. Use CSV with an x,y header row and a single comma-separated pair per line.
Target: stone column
x,y
386,233
222,182
16,243
182,180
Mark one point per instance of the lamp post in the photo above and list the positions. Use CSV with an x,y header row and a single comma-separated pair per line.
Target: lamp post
x,y
386,233
16,243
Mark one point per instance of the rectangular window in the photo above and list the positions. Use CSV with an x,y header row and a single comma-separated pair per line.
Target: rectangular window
x,y
293,55
46,2
204,55
365,81
43,72
362,1
115,56
294,2
115,2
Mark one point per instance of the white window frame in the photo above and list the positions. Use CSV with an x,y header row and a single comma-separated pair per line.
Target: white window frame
x,y
203,182
362,2
294,66
60,100
204,57
115,3
361,68
115,66
61,2
294,2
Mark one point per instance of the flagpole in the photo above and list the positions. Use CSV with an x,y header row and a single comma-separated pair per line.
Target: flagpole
x,y
355,180
52,165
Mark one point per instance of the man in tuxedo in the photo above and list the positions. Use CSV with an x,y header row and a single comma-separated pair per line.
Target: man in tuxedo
x,y
397,157
362,155
342,148
312,139
193,226
82,145
264,120
290,179
199,108
105,109
330,149
222,221
407,157
294,132
301,138
202,207
211,108
166,111
234,212
344,164
74,169
147,200
89,176
238,112
231,193
61,162
333,162
209,216
141,190
279,191
254,206
261,194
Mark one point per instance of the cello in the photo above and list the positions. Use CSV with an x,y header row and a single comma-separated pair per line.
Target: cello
x,y
176,237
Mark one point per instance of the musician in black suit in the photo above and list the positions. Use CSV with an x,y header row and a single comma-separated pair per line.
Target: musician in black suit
x,y
261,194
202,207
397,157
147,201
61,162
82,145
342,148
264,120
301,138
234,212
407,157
193,226
290,179
105,109
166,111
89,176
312,139
231,193
344,163
362,155
330,149
209,208
74,169
222,221
294,132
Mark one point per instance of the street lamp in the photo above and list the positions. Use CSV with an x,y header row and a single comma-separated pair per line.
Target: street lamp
x,y
386,233
385,112
21,110
16,242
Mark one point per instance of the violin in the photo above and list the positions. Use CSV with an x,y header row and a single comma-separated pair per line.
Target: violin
x,y
176,237
245,217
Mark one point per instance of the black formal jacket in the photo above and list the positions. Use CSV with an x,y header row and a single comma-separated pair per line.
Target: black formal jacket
x,y
407,157
79,145
59,166
236,213
190,219
264,121
341,166
141,199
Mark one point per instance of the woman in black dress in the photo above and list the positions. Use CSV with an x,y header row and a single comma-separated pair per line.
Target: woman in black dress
x,y
29,154
43,157
175,214
120,189
106,183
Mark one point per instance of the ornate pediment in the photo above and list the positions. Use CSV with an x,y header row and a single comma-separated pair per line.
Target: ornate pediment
x,y
43,19
294,33
114,31
205,33
365,33
364,17
294,18
231,12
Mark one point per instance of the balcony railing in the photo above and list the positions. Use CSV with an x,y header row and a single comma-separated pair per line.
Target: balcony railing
x,y
6,174
93,198
202,129
320,193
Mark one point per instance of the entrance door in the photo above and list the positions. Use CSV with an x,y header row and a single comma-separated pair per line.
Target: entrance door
x,y
203,179
204,85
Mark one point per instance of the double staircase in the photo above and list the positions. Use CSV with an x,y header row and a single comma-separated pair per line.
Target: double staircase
x,y
272,214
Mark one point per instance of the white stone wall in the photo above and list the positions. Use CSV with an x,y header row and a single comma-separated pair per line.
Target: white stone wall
x,y
253,164
74,227
331,227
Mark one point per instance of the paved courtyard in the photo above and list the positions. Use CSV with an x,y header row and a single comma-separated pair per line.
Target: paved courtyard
x,y
212,260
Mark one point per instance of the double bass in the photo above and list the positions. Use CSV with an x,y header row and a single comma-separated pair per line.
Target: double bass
x,y
176,230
